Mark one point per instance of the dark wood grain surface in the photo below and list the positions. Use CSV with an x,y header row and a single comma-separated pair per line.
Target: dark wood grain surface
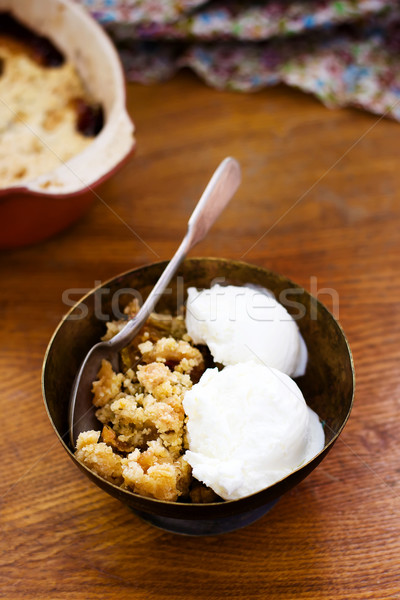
x,y
320,203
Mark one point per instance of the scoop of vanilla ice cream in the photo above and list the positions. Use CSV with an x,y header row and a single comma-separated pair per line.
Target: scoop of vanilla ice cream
x,y
248,427
245,323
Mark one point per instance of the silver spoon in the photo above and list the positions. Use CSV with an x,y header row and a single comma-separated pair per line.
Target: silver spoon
x,y
215,197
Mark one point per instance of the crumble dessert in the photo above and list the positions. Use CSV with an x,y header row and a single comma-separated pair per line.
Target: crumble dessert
x,y
46,115
176,430
143,439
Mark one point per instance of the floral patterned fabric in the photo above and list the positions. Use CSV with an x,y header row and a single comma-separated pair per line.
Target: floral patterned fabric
x,y
345,52
139,11
254,21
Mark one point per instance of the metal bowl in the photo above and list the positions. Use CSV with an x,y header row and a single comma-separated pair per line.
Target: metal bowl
x,y
328,384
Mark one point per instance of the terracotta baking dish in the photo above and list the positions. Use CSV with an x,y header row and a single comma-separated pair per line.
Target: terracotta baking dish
x,y
51,202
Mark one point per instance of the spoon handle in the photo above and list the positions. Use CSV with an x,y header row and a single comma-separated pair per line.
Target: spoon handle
x,y
220,189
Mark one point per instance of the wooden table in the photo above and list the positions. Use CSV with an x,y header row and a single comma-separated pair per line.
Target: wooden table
x,y
319,202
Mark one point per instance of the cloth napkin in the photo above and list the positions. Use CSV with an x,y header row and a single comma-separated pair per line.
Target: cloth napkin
x,y
344,52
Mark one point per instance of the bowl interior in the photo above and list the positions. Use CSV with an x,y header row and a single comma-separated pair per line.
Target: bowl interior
x,y
327,385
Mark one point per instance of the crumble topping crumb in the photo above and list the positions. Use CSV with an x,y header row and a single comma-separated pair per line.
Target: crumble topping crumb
x,y
143,438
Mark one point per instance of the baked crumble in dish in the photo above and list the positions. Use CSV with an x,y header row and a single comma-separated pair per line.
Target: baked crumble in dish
x,y
46,114
143,439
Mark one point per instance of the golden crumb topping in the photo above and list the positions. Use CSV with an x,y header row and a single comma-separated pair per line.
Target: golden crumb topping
x,y
142,442
99,457
37,115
